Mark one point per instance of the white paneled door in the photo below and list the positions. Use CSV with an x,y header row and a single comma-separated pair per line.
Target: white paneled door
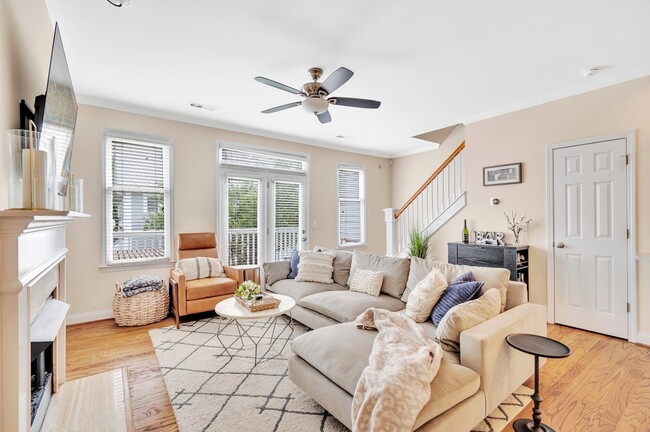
x,y
590,236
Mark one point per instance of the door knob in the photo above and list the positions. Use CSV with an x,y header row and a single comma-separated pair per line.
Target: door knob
x,y
559,245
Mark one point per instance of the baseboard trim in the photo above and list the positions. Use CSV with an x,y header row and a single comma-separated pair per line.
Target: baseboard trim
x,y
85,317
643,339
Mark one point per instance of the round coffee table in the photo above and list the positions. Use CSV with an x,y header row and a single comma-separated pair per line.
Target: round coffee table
x,y
538,346
235,314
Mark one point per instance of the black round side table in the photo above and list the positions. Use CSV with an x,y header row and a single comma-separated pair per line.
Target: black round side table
x,y
539,346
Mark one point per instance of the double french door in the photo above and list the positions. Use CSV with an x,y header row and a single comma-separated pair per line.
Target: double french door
x,y
262,215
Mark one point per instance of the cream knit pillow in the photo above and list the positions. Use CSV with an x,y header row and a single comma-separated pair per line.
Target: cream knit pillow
x,y
465,316
367,282
315,267
425,295
200,267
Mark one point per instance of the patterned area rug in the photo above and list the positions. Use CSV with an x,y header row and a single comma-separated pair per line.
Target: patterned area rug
x,y
209,391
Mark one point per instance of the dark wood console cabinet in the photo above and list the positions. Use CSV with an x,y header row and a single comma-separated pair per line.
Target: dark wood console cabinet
x,y
511,257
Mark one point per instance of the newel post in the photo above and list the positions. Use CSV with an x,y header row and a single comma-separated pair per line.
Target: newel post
x,y
391,231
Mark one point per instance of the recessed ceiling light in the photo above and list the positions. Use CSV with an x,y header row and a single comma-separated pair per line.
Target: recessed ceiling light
x,y
343,137
590,72
202,106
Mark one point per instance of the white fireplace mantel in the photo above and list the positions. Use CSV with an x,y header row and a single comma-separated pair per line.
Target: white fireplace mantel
x,y
32,249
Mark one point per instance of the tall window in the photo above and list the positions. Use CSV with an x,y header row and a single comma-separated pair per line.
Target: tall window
x,y
137,200
351,200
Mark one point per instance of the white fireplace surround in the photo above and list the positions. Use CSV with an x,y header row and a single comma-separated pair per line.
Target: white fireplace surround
x,y
32,269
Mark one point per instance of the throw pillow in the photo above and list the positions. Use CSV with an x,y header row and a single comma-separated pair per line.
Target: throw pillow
x,y
396,271
342,262
367,282
465,277
491,276
200,267
425,295
275,271
455,295
315,267
465,316
295,260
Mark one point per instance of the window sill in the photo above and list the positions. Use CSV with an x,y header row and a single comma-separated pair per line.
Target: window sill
x,y
164,263
353,246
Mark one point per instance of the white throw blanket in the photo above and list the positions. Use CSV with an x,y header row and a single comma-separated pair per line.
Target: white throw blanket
x,y
396,384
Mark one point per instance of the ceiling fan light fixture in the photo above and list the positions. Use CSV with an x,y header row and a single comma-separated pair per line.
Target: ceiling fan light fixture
x,y
315,105
120,3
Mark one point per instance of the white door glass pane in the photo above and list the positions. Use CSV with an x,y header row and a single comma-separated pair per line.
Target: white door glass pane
x,y
243,221
288,211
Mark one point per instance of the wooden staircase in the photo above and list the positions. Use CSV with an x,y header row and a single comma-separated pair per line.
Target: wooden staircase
x,y
439,198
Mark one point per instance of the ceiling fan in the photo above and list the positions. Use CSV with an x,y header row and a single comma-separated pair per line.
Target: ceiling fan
x,y
316,94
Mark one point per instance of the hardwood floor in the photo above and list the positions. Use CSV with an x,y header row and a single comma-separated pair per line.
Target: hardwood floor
x,y
102,346
603,386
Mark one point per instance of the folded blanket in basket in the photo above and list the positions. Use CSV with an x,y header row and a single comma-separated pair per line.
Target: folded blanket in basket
x,y
141,284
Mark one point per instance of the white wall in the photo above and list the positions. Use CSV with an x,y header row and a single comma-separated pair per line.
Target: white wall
x,y
523,136
408,173
90,289
25,43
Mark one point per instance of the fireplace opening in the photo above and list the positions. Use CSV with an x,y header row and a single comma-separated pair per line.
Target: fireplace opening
x,y
42,367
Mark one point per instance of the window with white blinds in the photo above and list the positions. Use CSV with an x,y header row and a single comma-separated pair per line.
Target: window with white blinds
x,y
288,217
137,201
259,158
351,200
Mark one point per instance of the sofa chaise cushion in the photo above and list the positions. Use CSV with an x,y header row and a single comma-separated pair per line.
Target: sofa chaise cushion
x,y
341,352
297,290
344,306
395,270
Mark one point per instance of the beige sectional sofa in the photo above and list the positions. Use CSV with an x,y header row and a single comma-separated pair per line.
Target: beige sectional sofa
x,y
328,361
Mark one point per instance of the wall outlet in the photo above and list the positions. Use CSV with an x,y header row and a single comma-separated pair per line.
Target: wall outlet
x,y
314,225
495,201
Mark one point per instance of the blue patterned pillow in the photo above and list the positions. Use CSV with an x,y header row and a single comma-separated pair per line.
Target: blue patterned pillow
x,y
295,260
454,295
467,277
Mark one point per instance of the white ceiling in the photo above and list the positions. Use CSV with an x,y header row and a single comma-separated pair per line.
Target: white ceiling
x,y
431,63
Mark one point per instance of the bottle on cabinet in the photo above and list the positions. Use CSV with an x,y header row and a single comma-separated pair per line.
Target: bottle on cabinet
x,y
465,232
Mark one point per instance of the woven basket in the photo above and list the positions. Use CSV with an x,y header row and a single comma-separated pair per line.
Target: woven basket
x,y
141,309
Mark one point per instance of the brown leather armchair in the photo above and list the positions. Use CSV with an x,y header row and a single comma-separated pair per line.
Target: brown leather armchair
x,y
200,295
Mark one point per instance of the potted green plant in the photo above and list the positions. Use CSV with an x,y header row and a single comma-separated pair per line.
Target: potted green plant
x,y
419,245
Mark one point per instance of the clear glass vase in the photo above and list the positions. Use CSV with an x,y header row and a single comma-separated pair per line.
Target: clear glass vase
x,y
31,169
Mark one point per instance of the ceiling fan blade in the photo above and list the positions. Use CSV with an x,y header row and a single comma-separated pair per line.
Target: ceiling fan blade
x,y
336,80
354,102
278,85
324,117
281,107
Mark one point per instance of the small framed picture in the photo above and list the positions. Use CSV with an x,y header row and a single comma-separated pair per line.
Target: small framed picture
x,y
502,174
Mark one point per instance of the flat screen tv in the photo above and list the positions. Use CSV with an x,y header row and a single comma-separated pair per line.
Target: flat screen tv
x,y
55,112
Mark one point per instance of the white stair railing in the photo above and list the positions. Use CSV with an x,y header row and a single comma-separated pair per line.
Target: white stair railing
x,y
430,207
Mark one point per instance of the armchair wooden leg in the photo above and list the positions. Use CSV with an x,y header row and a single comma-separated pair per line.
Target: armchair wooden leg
x,y
173,288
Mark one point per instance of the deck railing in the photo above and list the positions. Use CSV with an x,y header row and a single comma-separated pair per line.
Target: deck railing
x,y
243,245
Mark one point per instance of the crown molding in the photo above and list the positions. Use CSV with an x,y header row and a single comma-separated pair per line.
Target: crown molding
x,y
596,84
215,124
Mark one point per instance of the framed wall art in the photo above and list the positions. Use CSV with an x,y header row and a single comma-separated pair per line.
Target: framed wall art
x,y
502,174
